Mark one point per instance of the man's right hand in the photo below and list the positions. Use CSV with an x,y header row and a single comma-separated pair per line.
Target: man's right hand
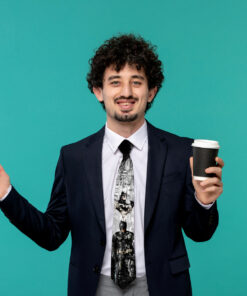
x,y
4,182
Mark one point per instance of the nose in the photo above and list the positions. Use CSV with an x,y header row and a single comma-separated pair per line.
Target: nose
x,y
126,90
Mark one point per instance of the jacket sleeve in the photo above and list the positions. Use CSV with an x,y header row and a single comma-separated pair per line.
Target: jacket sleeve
x,y
49,229
198,223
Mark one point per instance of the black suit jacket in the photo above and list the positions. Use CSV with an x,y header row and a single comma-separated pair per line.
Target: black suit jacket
x,y
77,205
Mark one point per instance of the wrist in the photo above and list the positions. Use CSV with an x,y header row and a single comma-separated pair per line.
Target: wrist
x,y
5,192
203,201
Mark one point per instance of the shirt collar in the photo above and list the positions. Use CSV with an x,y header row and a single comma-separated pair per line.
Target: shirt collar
x,y
137,139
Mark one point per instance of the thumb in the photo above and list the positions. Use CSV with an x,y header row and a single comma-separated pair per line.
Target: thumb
x,y
2,169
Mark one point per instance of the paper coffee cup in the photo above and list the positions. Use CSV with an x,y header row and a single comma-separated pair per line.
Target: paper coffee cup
x,y
204,153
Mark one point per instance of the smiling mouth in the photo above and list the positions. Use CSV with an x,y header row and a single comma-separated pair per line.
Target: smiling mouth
x,y
126,105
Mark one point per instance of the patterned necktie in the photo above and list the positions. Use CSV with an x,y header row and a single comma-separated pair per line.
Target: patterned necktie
x,y
123,268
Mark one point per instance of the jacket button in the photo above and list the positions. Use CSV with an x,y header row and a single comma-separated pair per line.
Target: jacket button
x,y
96,269
102,242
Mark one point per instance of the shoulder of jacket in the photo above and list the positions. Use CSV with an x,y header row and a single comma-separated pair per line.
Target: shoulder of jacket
x,y
81,144
171,137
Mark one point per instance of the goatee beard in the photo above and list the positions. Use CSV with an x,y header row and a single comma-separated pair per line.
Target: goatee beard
x,y
125,118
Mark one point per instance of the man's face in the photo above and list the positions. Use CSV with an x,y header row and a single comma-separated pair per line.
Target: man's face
x,y
125,94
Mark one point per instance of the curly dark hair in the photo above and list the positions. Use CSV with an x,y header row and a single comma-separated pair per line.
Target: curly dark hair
x,y
122,49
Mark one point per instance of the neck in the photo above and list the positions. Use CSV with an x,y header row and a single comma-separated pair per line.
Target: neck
x,y
125,129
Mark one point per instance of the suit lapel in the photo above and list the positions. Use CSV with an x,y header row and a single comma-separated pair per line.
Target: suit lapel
x,y
157,152
93,165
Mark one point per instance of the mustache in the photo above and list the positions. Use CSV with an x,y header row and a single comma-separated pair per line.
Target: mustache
x,y
125,98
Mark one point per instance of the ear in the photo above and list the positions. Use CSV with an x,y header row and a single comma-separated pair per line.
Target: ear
x,y
151,93
98,93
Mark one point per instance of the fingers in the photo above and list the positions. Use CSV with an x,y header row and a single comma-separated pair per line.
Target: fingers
x,y
1,168
213,185
211,181
191,164
220,161
214,170
214,189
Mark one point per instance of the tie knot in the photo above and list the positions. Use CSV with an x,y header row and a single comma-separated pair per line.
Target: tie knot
x,y
125,148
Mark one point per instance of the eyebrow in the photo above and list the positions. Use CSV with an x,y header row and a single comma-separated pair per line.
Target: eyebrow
x,y
113,77
118,76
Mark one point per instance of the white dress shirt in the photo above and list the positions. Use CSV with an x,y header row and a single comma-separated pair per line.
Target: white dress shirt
x,y
111,159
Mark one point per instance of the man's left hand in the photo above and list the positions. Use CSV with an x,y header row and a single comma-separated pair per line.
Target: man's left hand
x,y
209,190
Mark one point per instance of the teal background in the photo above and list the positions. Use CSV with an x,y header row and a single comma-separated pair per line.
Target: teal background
x,y
45,103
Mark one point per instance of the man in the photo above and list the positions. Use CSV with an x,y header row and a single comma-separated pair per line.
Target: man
x,y
150,166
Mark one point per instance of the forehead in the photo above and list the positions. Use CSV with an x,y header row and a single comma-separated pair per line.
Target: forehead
x,y
126,71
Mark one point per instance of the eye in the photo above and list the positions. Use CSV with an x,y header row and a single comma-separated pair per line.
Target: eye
x,y
137,83
115,82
